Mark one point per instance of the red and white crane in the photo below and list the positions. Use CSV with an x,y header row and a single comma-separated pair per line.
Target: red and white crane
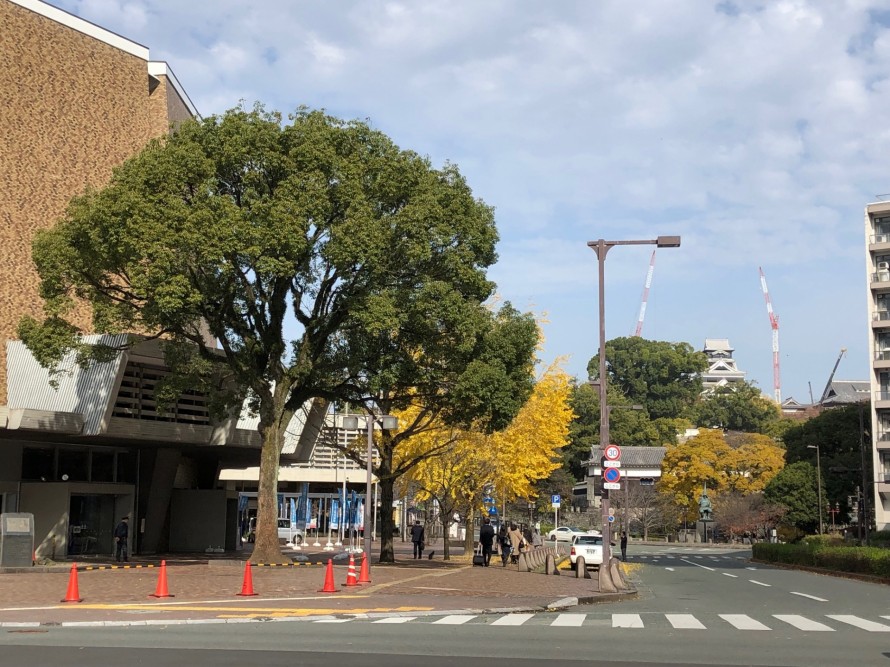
x,y
645,300
774,323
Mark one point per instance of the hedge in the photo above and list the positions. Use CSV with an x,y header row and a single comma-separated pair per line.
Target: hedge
x,y
859,560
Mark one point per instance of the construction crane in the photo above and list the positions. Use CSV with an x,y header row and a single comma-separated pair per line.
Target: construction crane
x,y
639,329
774,323
831,377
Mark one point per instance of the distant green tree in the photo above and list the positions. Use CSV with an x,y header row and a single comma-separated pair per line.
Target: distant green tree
x,y
663,377
739,406
796,489
837,433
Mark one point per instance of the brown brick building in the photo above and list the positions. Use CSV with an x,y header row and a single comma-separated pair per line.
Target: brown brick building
x,y
76,100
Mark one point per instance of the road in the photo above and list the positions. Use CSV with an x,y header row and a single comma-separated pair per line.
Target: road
x,y
696,606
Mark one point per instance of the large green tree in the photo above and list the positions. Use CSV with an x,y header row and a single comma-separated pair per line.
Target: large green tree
x,y
795,488
327,263
738,406
663,377
840,439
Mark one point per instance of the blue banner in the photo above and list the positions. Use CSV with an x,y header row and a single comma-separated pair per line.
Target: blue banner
x,y
335,515
293,511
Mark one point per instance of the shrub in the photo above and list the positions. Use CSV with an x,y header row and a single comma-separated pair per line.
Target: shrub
x,y
823,554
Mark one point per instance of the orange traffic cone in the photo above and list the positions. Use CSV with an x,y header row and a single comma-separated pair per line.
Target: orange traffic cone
x,y
364,576
247,586
73,594
351,578
161,590
329,579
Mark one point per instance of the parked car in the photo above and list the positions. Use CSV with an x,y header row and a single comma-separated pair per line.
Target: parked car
x,y
564,533
285,532
590,547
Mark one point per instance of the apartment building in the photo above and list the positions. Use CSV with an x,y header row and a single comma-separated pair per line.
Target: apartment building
x,y
877,260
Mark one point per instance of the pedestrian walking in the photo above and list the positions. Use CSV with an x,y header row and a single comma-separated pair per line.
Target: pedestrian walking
x,y
515,536
417,535
537,540
121,533
624,545
486,539
504,544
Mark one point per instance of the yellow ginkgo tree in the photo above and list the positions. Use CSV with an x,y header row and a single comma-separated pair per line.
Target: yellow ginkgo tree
x,y
508,461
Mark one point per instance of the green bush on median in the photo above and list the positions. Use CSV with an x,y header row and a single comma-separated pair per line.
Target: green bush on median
x,y
817,553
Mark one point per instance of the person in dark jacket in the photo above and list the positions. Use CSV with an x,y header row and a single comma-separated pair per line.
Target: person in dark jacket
x,y
504,544
486,539
624,546
417,539
121,533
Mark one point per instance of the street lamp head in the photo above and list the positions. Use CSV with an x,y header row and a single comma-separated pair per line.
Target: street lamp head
x,y
350,423
668,242
389,423
812,446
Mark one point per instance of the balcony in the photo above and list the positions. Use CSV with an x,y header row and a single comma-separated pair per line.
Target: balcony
x,y
883,441
880,319
880,281
882,399
879,241
882,359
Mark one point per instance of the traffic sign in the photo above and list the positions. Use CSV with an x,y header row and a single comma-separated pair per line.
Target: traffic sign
x,y
614,486
612,517
611,475
555,499
613,452
611,464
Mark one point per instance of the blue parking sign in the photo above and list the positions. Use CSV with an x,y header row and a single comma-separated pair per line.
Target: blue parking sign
x,y
555,499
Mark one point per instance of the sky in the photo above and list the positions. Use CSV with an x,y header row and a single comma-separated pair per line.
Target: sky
x,y
755,130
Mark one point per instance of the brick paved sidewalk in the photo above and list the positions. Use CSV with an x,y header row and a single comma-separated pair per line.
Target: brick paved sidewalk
x,y
207,591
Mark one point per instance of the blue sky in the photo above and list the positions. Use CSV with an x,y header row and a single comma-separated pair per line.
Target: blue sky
x,y
755,130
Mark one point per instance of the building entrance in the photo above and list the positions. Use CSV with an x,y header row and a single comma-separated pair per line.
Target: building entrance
x,y
91,524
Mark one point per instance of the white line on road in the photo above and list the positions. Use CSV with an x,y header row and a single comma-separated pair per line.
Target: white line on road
x,y
513,619
751,568
669,569
684,622
760,583
861,623
568,621
811,597
627,621
334,620
727,574
704,567
396,619
803,623
743,622
453,620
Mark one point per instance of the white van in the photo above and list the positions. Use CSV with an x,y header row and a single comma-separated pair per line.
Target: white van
x,y
285,532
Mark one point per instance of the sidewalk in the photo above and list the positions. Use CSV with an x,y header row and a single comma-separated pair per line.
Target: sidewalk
x,y
206,591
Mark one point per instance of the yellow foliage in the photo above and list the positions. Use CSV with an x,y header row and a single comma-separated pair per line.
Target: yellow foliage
x,y
511,460
708,458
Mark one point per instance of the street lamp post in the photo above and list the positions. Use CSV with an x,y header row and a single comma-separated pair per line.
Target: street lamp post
x,y
818,480
601,248
387,423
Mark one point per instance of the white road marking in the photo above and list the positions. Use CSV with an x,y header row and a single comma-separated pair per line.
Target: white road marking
x,y
751,568
861,623
513,619
811,597
743,622
760,583
803,623
684,622
333,620
727,574
627,621
669,569
704,567
456,619
396,619
568,621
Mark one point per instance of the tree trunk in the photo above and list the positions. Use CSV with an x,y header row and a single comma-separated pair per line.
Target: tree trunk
x,y
469,543
266,548
446,525
385,488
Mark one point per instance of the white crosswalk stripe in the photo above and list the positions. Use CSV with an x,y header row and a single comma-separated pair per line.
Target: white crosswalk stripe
x,y
861,623
627,621
803,623
396,619
743,622
568,621
513,619
685,622
455,619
